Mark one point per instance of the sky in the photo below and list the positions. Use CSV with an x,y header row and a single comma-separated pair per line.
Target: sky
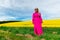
x,y
23,9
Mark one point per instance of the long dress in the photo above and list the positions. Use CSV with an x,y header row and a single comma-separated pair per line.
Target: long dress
x,y
37,21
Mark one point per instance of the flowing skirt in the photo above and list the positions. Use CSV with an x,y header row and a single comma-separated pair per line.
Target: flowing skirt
x,y
38,29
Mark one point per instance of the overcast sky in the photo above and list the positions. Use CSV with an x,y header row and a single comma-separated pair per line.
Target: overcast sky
x,y
23,9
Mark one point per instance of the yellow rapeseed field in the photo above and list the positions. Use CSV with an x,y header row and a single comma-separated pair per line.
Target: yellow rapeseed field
x,y
46,23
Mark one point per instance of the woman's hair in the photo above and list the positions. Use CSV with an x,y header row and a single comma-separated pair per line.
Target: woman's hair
x,y
36,9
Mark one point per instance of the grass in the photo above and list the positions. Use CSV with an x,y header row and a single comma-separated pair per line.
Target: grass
x,y
9,33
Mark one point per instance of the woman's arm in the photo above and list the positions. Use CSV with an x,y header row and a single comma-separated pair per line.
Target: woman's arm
x,y
40,17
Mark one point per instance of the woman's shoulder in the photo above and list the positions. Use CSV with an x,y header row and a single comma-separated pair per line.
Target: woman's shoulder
x,y
34,13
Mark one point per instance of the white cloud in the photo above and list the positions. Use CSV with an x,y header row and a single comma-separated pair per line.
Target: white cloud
x,y
5,3
5,18
50,8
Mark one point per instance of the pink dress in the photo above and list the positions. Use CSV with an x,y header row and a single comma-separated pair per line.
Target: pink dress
x,y
37,21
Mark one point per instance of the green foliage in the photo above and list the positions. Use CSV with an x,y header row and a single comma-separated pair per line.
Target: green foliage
x,y
2,22
10,33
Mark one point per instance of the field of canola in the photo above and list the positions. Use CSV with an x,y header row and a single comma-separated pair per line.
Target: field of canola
x,y
46,23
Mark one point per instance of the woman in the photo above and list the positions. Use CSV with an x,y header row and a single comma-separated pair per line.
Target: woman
x,y
37,21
